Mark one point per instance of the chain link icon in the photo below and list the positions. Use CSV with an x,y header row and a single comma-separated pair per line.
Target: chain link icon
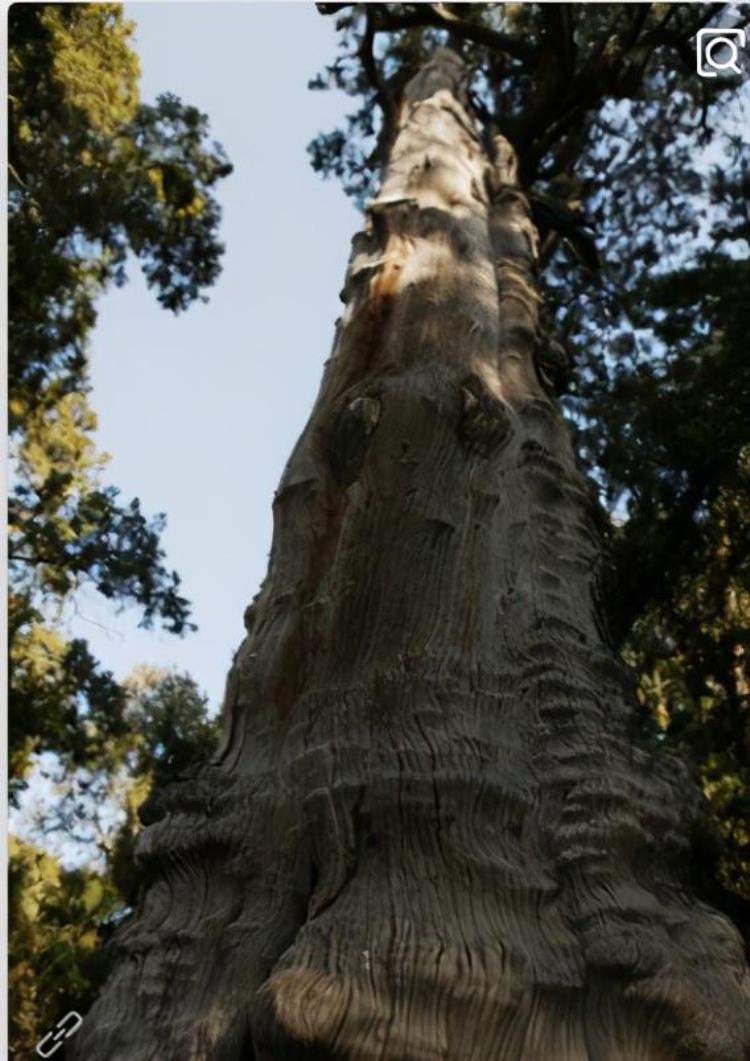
x,y
65,1027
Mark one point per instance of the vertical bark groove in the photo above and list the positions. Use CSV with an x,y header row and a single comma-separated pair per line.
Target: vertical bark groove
x,y
431,831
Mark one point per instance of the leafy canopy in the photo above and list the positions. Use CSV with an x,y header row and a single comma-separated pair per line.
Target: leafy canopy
x,y
61,918
95,176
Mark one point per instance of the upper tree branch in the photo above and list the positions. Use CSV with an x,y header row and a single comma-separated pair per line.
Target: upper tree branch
x,y
517,47
559,35
439,17
370,66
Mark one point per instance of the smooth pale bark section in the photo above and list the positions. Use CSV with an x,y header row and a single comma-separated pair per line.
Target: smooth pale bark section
x,y
431,831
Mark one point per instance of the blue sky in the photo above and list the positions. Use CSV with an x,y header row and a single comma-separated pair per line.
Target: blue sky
x,y
200,412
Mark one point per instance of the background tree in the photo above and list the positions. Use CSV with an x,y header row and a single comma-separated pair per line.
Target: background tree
x,y
56,963
95,176
61,918
670,434
439,825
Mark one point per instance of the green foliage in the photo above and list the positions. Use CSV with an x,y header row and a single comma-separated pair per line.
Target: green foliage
x,y
170,733
166,716
61,699
60,918
55,960
644,265
95,175
671,435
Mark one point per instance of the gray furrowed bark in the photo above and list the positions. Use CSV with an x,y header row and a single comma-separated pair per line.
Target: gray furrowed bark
x,y
431,831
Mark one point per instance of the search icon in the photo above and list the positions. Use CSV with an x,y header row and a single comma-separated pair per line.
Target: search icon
x,y
710,41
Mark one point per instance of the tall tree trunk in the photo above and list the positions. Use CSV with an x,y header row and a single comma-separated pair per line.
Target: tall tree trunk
x,y
431,831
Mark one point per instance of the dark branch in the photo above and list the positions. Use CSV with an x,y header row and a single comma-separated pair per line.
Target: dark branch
x,y
370,66
437,16
23,559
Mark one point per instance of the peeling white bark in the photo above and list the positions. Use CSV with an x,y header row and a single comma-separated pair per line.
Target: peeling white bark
x,y
431,832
